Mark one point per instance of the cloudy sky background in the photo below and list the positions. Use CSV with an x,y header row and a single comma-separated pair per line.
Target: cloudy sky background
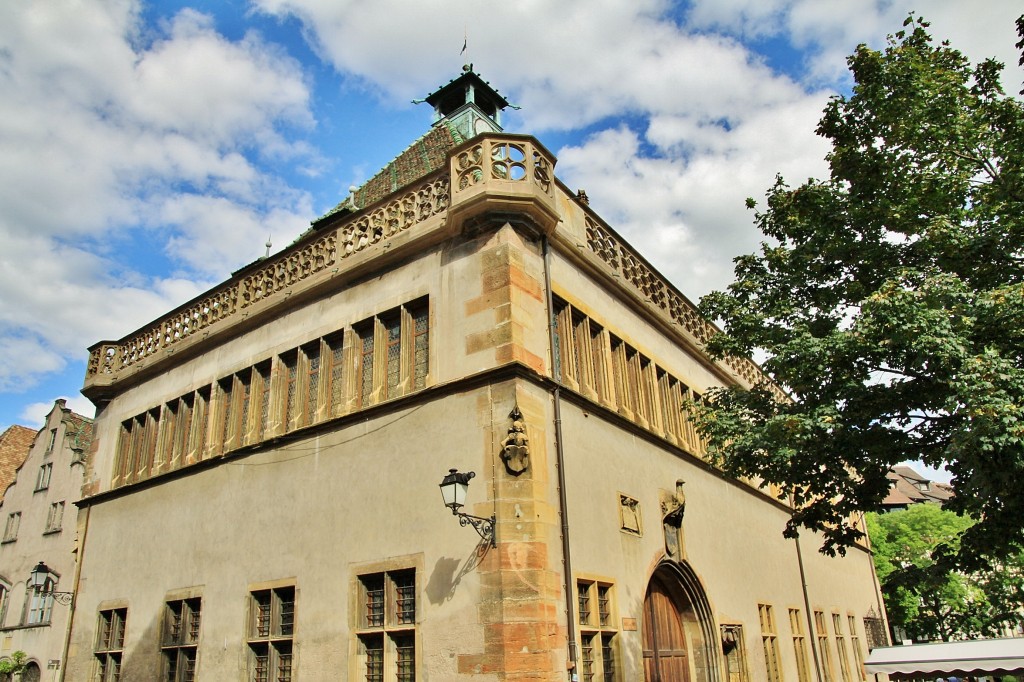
x,y
148,149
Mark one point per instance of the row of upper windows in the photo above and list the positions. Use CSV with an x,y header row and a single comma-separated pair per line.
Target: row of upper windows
x,y
843,639
380,358
54,522
597,363
385,629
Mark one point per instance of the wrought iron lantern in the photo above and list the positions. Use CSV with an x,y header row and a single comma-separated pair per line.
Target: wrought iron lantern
x,y
453,491
41,581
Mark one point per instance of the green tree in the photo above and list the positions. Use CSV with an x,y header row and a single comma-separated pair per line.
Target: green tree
x,y
928,600
15,664
888,302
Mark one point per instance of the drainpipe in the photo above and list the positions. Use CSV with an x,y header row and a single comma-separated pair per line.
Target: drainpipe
x,y
556,395
811,634
74,596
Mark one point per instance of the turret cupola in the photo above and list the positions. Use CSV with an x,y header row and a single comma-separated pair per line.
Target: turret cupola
x,y
468,103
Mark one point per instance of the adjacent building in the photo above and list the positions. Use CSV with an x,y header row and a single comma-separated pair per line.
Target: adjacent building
x,y
39,534
907,487
262,496
14,444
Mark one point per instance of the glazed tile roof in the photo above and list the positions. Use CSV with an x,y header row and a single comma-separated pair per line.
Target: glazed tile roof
x,y
422,157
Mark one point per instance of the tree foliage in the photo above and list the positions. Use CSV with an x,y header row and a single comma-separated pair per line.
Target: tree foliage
x,y
928,600
888,302
17,663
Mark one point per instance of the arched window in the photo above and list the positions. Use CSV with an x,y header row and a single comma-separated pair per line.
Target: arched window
x,y
5,593
40,603
32,673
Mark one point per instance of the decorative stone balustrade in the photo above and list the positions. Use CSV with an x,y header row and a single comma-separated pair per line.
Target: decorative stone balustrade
x,y
298,266
514,169
504,172
625,263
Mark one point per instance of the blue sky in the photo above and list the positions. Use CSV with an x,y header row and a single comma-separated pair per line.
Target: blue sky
x,y
150,148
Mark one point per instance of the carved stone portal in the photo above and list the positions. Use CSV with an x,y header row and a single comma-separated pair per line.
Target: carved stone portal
x,y
515,449
673,507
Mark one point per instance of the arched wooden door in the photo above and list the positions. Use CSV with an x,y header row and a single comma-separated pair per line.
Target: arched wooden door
x,y
666,656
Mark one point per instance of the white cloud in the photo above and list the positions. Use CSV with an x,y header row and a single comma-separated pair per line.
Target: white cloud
x,y
116,134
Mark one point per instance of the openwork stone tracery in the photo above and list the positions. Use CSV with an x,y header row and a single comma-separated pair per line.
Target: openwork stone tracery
x,y
278,274
624,262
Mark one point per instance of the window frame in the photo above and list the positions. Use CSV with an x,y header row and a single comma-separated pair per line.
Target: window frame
x,y
179,639
54,518
276,639
597,626
108,650
382,626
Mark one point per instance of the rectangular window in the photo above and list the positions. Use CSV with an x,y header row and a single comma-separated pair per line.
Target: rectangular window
x,y
168,429
844,655
393,352
271,628
52,442
583,590
587,657
55,517
40,603
335,359
243,388
182,428
796,626
11,530
769,642
197,449
311,392
110,645
228,413
559,331
599,360
386,626
858,653
180,640
43,476
290,365
821,632
261,397
597,631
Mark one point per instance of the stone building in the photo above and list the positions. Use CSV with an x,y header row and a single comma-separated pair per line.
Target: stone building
x,y
38,513
262,501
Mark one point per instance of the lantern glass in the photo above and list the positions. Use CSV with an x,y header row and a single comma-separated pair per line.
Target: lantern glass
x,y
453,489
40,574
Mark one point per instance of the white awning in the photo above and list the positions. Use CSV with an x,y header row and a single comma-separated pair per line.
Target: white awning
x,y
943,659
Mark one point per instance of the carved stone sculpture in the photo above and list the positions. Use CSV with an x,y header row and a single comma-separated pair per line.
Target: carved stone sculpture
x,y
673,507
515,450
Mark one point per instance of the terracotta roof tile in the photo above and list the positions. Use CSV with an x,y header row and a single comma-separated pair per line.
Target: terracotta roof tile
x,y
14,446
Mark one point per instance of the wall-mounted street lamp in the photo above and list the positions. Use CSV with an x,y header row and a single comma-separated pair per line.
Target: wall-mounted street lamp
x,y
453,491
42,583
